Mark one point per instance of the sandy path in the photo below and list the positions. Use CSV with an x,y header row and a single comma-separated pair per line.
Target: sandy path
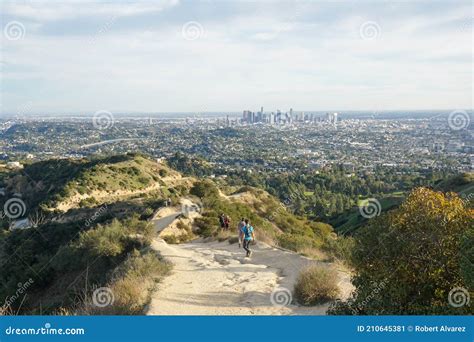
x,y
215,279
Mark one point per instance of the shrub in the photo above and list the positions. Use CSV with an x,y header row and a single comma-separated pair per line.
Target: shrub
x,y
316,285
171,239
418,253
183,226
131,286
204,189
339,247
104,240
294,242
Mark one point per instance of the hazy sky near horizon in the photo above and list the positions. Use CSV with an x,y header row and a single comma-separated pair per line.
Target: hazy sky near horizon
x,y
175,55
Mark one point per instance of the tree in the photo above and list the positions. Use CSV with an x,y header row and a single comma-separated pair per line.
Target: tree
x,y
204,189
409,260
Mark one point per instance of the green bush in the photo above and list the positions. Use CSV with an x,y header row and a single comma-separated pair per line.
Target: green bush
x,y
171,239
339,247
294,242
416,254
104,240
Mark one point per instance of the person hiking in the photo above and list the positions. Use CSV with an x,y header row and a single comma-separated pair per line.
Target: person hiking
x,y
221,220
240,232
248,237
226,222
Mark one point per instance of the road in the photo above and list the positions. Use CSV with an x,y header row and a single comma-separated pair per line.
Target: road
x,y
164,222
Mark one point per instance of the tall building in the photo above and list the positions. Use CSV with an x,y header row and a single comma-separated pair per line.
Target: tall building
x,y
331,118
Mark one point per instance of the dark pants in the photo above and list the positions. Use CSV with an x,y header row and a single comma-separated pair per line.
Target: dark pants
x,y
247,246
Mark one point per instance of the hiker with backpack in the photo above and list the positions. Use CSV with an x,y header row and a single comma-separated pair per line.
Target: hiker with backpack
x,y
248,237
221,220
240,232
226,222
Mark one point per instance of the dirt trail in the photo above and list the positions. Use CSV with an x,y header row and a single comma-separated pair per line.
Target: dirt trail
x,y
212,278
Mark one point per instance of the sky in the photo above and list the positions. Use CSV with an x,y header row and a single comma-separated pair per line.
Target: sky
x,y
221,55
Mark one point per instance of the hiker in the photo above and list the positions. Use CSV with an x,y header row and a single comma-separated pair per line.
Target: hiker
x,y
248,237
221,220
226,222
240,232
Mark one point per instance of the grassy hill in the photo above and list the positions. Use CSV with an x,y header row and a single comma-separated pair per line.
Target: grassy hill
x,y
63,184
67,255
102,236
103,239
351,220
462,184
273,223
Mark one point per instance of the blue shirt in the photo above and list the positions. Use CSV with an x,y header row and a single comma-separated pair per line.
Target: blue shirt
x,y
247,230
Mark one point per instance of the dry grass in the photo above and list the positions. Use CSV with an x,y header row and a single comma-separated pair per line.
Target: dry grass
x,y
316,285
131,288
224,235
315,253
6,310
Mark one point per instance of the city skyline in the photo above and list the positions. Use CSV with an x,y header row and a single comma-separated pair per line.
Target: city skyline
x,y
181,56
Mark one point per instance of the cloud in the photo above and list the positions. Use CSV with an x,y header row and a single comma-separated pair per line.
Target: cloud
x,y
308,55
60,10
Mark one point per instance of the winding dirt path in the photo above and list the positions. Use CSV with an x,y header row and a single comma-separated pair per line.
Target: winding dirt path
x,y
212,278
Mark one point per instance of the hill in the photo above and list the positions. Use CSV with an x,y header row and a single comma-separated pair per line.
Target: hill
x,y
351,220
93,227
77,245
63,184
462,184
95,231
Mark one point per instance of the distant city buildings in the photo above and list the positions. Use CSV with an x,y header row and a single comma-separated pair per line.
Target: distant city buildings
x,y
331,118
249,140
287,118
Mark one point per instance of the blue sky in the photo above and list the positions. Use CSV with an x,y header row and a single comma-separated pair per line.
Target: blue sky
x,y
175,55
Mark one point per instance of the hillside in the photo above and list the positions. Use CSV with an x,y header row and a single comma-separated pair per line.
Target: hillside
x,y
70,252
351,220
462,184
99,223
94,230
64,184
